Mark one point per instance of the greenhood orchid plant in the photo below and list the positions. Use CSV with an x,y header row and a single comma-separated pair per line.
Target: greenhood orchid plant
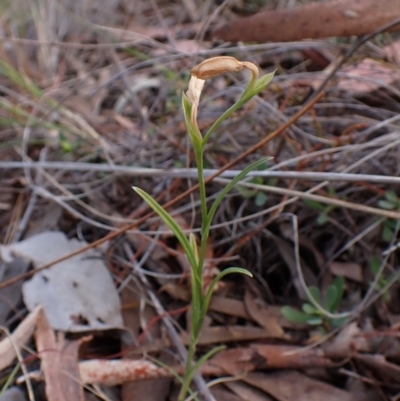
x,y
201,296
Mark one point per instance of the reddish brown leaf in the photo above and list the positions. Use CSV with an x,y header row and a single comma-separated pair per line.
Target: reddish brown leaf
x,y
366,76
295,386
223,334
264,316
353,271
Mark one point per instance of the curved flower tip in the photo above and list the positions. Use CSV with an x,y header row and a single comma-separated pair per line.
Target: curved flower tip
x,y
219,65
195,87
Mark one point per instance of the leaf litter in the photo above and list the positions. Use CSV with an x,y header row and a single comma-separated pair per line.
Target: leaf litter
x,y
108,92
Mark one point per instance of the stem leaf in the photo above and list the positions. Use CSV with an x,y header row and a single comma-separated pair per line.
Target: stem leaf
x,y
216,279
230,186
170,222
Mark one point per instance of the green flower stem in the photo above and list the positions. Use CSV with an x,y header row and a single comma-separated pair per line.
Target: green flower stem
x,y
253,88
223,117
196,257
197,278
188,368
203,202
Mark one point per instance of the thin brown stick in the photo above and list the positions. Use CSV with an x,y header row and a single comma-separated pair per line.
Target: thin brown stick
x,y
115,234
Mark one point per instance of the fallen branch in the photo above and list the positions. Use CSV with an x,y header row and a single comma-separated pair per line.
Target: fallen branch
x,y
316,20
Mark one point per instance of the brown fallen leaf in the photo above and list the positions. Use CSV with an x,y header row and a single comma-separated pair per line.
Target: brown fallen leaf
x,y
59,363
287,253
367,76
239,361
387,371
224,334
236,361
260,313
223,395
246,392
18,338
348,341
393,51
314,20
146,390
295,386
353,271
234,307
229,306
284,356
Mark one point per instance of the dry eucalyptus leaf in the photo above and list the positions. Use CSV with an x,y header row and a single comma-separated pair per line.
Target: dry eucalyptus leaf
x,y
350,270
13,394
11,295
366,76
77,294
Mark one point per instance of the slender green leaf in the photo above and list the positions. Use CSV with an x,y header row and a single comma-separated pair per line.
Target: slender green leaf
x,y
10,379
170,222
173,373
262,82
204,358
255,88
229,187
216,279
250,91
222,118
293,315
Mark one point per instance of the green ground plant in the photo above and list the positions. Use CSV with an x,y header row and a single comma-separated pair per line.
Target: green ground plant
x,y
391,202
201,295
312,315
323,210
385,280
375,265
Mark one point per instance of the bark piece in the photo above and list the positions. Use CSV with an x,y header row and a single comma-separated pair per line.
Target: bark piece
x,y
316,20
